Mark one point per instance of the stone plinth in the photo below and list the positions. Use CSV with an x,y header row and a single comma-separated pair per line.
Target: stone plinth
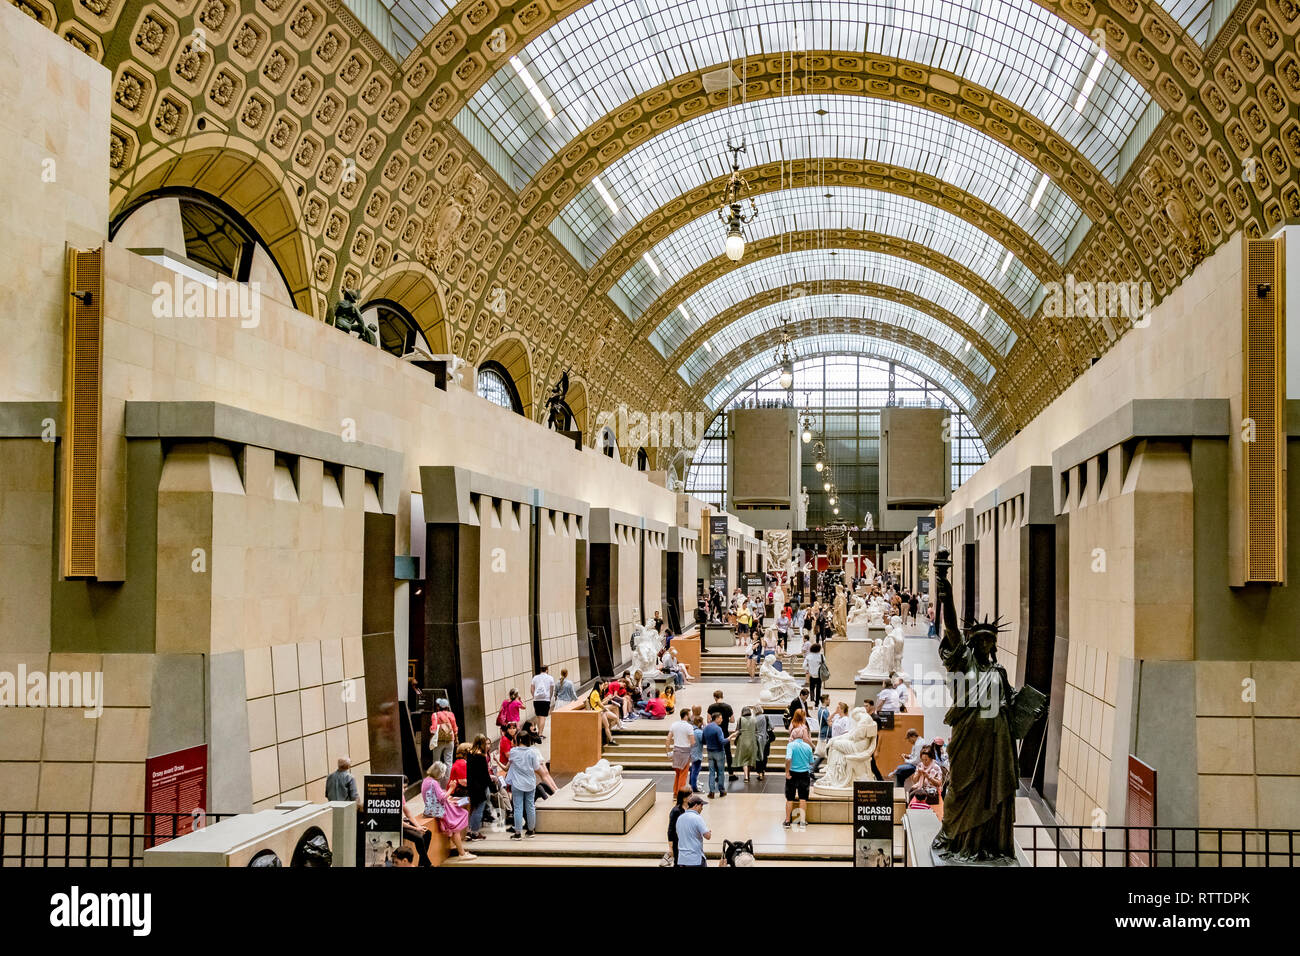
x,y
920,827
845,657
617,813
717,635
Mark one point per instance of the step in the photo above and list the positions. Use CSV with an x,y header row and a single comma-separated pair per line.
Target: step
x,y
492,859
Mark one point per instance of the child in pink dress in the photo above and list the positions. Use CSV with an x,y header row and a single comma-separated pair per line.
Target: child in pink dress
x,y
455,818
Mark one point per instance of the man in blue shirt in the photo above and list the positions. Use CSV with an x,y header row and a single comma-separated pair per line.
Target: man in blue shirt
x,y
715,746
798,764
692,831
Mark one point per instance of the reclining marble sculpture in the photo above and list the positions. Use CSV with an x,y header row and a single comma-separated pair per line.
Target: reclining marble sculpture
x,y
848,756
778,686
598,782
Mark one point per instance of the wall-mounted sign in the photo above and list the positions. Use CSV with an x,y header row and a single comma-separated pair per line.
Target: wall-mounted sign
x,y
175,783
873,823
718,552
1140,810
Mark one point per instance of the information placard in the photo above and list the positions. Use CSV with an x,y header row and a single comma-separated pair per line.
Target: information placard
x,y
1140,810
175,783
873,823
379,824
718,551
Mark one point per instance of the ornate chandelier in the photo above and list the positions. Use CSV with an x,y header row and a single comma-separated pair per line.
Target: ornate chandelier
x,y
785,357
729,214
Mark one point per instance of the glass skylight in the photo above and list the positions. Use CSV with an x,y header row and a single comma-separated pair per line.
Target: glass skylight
x,y
814,314
611,51
806,269
846,344
682,252
689,155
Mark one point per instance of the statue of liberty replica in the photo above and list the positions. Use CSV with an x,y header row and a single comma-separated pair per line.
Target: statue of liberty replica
x,y
987,717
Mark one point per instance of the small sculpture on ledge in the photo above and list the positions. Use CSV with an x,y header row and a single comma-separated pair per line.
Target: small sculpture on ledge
x,y
848,756
559,416
347,318
598,782
778,686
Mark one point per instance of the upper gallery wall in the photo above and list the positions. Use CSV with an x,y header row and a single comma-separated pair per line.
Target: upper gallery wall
x,y
378,178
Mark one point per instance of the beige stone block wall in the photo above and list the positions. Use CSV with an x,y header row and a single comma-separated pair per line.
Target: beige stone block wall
x,y
306,708
59,759
1010,516
655,542
53,174
279,578
1089,746
556,582
630,612
504,629
986,526
27,490
1248,743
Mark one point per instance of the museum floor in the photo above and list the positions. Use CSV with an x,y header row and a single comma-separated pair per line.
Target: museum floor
x,y
751,811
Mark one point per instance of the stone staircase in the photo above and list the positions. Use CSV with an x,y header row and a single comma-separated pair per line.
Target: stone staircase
x,y
733,665
644,749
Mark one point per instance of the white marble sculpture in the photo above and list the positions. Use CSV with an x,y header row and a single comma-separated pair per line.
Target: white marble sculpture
x,y
868,524
646,645
848,756
598,782
778,686
887,655
858,613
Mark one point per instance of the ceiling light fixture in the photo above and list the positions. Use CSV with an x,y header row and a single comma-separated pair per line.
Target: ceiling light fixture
x,y
533,88
729,213
785,357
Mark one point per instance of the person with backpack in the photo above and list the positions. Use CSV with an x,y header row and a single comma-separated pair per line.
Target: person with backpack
x,y
443,732
512,708
814,663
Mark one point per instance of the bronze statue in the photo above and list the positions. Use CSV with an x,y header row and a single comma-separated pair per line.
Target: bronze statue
x,y
347,318
987,717
559,416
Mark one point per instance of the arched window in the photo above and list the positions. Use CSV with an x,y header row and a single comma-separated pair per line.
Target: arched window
x,y
495,385
642,460
399,334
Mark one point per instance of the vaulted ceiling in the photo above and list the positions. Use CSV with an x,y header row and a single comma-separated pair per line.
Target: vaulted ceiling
x,y
922,168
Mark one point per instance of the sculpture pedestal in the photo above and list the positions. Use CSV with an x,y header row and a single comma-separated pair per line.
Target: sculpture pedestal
x,y
824,808
920,827
717,635
845,657
867,687
859,631
617,813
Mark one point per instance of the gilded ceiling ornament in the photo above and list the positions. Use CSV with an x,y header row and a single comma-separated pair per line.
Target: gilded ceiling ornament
x,y
436,241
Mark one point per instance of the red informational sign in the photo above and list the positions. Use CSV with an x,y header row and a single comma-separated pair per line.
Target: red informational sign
x,y
1140,811
176,783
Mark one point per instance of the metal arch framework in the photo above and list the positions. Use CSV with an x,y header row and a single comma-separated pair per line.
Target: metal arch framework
x,y
856,204
939,91
610,51
836,240
894,139
465,46
837,315
871,346
842,287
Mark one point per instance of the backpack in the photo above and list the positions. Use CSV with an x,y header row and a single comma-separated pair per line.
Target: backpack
x,y
445,736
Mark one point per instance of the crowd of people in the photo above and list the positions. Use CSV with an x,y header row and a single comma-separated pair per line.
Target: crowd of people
x,y
471,782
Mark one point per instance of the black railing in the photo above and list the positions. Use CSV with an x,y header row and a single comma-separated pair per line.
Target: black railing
x,y
1081,846
72,838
